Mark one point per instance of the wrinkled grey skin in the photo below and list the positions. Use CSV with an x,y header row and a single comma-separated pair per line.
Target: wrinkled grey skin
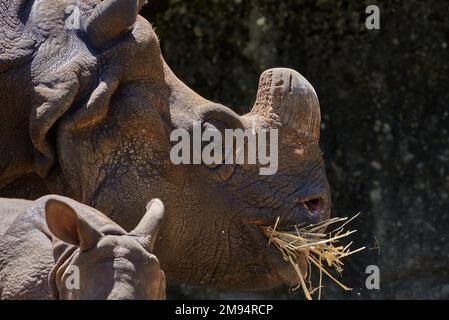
x,y
90,112
36,264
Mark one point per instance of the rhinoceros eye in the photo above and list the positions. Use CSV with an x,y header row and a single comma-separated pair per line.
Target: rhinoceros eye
x,y
213,148
216,125
218,168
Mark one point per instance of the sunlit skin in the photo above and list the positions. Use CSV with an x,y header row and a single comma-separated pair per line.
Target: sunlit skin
x,y
100,104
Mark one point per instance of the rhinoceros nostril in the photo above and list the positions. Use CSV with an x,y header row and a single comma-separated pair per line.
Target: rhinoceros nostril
x,y
312,205
314,209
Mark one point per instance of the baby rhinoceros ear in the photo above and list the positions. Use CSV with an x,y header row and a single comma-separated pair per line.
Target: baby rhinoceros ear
x,y
68,226
149,226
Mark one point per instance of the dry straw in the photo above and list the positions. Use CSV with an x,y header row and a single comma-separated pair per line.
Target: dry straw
x,y
323,249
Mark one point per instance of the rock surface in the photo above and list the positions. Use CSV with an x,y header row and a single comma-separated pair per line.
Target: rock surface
x,y
385,108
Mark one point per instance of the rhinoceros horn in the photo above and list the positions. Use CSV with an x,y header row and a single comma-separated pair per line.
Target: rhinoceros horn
x,y
287,99
110,20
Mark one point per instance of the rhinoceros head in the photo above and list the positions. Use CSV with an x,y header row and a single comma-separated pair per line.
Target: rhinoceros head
x,y
102,107
104,261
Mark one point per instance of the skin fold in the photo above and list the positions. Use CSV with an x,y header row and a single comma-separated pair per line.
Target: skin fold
x,y
91,118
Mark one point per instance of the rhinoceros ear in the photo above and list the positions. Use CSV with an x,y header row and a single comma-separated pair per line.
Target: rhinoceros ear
x,y
110,20
150,224
68,226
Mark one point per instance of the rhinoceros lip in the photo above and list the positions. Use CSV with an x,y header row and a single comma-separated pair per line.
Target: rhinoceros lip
x,y
280,268
314,205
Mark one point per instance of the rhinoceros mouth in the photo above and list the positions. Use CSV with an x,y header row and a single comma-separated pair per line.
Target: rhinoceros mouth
x,y
277,265
314,207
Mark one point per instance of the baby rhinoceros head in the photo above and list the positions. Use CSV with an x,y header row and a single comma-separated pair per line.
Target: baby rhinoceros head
x,y
104,261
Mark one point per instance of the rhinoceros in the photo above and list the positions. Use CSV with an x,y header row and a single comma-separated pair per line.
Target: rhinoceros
x,y
57,248
88,105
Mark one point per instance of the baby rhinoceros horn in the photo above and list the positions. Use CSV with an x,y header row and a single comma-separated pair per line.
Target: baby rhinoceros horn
x,y
149,226
287,99
110,20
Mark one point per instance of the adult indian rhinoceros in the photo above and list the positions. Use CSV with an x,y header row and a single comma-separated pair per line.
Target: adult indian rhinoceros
x,y
88,105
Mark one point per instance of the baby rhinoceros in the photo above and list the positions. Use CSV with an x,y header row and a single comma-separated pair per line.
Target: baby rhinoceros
x,y
57,248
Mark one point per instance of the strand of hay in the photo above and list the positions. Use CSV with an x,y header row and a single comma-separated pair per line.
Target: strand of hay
x,y
323,249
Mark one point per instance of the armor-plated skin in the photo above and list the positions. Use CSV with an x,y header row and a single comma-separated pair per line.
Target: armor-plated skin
x,y
90,112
